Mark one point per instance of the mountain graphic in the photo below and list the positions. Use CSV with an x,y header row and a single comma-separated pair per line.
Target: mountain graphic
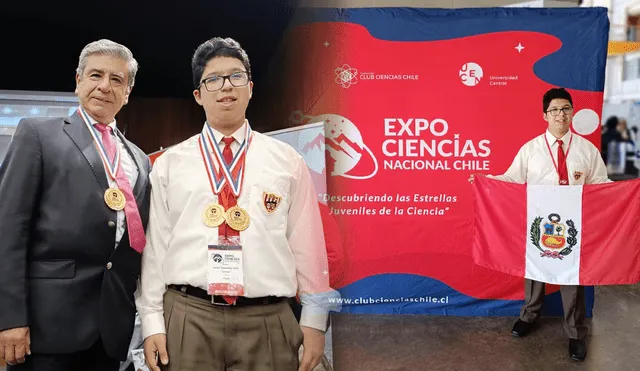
x,y
350,148
336,147
316,142
340,144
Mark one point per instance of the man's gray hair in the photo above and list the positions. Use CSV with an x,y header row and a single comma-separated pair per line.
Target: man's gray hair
x,y
108,47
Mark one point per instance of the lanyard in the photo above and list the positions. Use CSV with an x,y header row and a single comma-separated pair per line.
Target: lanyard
x,y
566,155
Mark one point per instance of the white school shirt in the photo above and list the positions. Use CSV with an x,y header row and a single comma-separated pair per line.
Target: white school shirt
x,y
284,252
534,165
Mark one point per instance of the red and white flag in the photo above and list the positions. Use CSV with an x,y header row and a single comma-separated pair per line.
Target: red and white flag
x,y
566,235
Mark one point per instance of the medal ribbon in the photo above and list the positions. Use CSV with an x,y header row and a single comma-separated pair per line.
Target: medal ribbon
x,y
216,180
234,172
111,168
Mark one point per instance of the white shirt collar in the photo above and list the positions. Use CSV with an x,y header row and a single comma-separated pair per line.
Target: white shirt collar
x,y
552,140
112,124
238,135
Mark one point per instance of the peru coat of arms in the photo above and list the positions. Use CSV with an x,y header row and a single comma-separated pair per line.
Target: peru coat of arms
x,y
557,239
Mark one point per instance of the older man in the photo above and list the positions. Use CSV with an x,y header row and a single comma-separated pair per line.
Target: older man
x,y
75,202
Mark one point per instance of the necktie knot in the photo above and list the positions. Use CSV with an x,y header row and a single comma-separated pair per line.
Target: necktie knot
x,y
227,154
103,128
227,140
560,142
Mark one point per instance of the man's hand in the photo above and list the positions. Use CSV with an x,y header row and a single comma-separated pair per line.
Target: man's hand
x,y
313,345
472,176
15,343
155,348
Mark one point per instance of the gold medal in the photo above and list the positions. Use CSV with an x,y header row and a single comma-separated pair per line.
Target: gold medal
x,y
114,198
237,218
213,215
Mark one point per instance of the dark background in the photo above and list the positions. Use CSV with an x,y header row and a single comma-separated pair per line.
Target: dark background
x,y
42,40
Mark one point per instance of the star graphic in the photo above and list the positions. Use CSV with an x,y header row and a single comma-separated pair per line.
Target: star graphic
x,y
326,44
456,136
325,272
519,47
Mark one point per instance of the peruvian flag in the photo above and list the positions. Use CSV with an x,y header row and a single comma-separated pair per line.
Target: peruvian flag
x,y
566,235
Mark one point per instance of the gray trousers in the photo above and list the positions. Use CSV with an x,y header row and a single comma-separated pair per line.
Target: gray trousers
x,y
204,336
572,302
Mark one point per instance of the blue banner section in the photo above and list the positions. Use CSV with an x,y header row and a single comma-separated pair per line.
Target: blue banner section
x,y
584,33
411,294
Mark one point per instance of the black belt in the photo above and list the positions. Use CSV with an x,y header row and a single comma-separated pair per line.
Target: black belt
x,y
219,300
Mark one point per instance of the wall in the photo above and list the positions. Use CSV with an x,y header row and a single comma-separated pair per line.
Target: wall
x,y
152,123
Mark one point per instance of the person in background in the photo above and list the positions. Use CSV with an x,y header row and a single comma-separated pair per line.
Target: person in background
x,y
628,147
619,148
609,134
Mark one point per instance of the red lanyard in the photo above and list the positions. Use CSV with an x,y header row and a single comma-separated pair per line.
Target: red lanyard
x,y
566,155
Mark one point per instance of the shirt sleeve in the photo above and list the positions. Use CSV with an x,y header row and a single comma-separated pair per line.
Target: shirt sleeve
x,y
597,169
307,243
150,294
517,172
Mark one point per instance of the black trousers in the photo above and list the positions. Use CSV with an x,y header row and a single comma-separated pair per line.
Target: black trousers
x,y
92,359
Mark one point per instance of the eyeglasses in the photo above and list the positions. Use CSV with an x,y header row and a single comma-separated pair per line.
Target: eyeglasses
x,y
215,83
556,111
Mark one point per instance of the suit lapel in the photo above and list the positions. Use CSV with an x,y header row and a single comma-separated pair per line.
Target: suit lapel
x,y
142,170
76,129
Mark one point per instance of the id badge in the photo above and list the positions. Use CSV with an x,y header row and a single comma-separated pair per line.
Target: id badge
x,y
225,275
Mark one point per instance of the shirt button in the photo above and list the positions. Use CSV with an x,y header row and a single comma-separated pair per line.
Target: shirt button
x,y
109,265
111,224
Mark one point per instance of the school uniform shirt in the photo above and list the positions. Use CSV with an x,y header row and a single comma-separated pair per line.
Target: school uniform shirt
x,y
534,165
284,251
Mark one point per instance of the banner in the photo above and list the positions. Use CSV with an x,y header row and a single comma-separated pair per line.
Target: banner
x,y
567,235
412,102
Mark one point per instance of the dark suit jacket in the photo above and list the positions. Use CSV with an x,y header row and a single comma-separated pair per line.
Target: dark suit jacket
x,y
59,272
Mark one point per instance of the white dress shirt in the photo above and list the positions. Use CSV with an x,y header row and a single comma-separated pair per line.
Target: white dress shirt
x,y
130,170
284,252
534,165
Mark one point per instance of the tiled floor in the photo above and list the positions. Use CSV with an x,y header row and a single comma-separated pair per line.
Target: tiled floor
x,y
433,343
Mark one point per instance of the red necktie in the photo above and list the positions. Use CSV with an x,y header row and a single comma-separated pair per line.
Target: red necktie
x,y
228,200
562,165
137,239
